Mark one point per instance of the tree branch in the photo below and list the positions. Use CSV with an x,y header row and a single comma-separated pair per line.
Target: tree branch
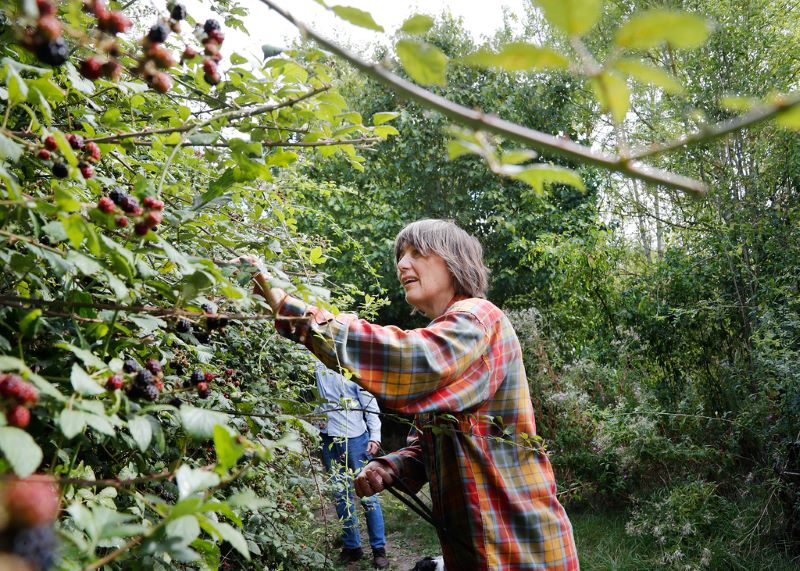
x,y
319,143
478,120
236,114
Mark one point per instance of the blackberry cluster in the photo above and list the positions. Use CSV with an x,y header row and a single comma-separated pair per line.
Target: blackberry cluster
x,y
32,505
44,37
148,217
211,36
147,382
110,23
89,153
18,396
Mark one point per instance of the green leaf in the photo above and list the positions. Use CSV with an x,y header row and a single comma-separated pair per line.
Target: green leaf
x,y
228,449
654,27
10,150
573,17
20,450
426,64
739,104
27,325
384,117
538,176
789,119
73,225
518,56
83,383
417,24
17,88
271,51
141,430
518,156
315,256
649,74
87,266
234,537
185,529
200,422
356,17
613,94
89,359
191,480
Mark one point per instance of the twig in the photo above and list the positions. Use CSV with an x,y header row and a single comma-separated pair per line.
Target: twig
x,y
479,120
320,143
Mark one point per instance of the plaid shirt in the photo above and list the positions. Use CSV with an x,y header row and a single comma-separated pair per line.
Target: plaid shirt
x,y
493,491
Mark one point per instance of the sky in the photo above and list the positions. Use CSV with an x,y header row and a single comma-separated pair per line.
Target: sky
x,y
481,17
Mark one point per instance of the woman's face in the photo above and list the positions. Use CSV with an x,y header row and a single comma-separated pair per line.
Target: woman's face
x,y
427,281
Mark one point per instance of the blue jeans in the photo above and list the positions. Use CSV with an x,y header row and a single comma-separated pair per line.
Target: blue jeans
x,y
341,455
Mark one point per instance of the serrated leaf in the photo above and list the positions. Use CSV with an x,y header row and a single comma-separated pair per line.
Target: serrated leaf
x,y
141,431
191,480
357,17
538,176
200,422
227,448
21,450
185,529
417,24
89,359
518,56
72,422
10,150
613,94
425,63
83,383
234,537
86,265
654,27
573,17
384,117
649,74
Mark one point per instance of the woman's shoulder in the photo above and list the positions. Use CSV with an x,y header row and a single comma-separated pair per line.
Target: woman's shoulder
x,y
484,310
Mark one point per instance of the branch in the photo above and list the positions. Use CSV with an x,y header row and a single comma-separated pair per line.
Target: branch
x,y
319,143
236,114
723,128
478,120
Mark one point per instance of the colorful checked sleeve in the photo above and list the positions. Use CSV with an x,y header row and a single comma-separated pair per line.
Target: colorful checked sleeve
x,y
492,488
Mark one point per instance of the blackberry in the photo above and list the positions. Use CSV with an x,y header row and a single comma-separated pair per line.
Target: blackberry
x,y
144,378
38,545
183,326
158,33
211,24
198,377
45,240
178,12
176,402
153,365
53,53
116,195
60,170
131,366
150,392
206,307
128,204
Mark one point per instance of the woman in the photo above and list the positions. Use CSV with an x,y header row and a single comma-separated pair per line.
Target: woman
x,y
493,491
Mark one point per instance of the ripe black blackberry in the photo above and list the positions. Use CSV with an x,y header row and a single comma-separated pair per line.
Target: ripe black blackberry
x,y
198,377
183,326
60,170
128,204
176,402
38,545
53,53
207,308
158,33
116,196
150,392
178,12
144,378
131,366
211,24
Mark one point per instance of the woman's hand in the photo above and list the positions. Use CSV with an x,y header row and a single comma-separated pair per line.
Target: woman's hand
x,y
374,478
274,296
372,447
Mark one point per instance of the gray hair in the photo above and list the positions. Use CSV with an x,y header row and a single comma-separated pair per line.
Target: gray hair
x,y
461,252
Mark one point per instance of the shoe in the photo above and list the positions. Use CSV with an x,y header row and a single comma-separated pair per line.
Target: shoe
x,y
379,559
350,554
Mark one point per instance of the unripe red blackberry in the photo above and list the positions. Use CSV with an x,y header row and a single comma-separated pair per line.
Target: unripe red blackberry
x,y
208,376
31,501
141,228
75,141
161,82
153,218
115,383
86,169
210,73
161,55
50,143
49,28
114,22
92,152
91,68
112,70
105,204
46,7
153,365
188,53
216,36
147,201
202,389
60,170
121,221
43,154
18,416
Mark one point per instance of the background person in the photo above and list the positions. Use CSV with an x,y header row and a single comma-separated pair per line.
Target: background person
x,y
351,435
493,491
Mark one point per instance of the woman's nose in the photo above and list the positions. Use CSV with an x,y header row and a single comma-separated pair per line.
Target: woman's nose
x,y
403,262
